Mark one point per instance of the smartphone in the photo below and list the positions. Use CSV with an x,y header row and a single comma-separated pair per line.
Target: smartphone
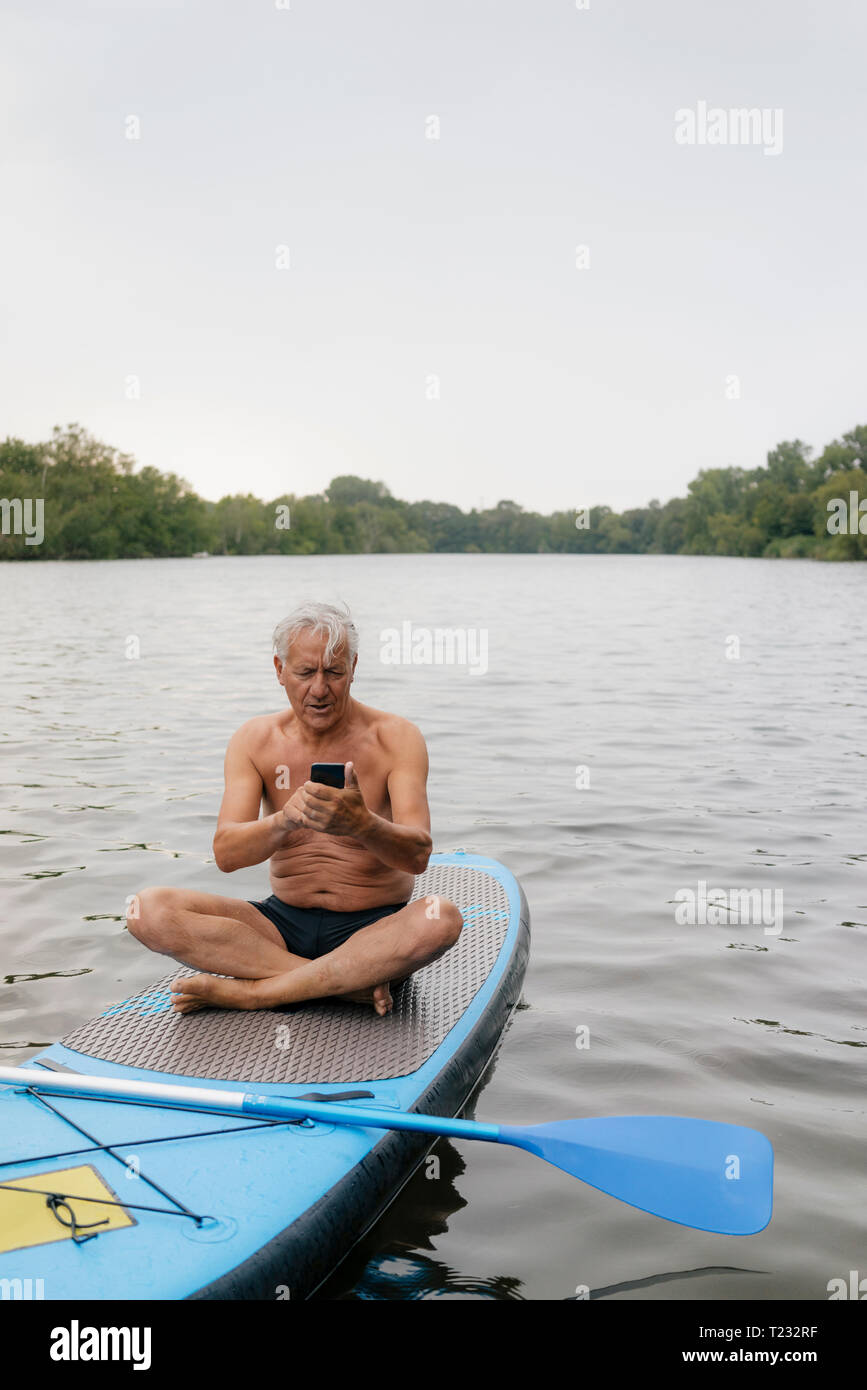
x,y
331,774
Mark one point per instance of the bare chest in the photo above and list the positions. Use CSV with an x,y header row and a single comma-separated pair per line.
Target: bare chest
x,y
284,767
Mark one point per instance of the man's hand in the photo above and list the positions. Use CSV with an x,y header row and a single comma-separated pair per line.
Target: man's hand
x,y
333,810
291,815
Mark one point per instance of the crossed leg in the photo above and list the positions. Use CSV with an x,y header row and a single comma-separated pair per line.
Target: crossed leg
x,y
230,936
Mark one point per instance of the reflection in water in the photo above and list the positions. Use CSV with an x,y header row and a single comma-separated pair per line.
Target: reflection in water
x,y
388,1263
626,1285
391,1276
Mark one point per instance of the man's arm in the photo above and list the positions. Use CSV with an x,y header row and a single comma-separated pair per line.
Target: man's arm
x,y
241,838
405,841
401,843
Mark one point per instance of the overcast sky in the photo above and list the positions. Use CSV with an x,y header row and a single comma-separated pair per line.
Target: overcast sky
x,y
435,326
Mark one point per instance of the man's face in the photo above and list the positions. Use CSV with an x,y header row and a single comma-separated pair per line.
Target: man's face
x,y
318,692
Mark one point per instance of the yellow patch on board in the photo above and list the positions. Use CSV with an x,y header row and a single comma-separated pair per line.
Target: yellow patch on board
x,y
25,1219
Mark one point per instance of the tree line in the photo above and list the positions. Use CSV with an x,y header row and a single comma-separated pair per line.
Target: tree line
x,y
98,506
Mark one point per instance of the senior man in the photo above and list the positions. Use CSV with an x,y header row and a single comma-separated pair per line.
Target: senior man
x,y
342,860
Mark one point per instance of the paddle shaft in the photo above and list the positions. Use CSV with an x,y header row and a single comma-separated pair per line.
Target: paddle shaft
x,y
672,1166
241,1103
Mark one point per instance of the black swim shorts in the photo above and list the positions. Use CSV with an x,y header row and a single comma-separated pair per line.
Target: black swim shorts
x,y
314,931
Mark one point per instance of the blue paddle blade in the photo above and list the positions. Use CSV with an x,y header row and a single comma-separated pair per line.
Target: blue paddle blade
x,y
715,1177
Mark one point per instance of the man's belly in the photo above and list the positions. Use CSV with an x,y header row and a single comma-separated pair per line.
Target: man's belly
x,y
337,874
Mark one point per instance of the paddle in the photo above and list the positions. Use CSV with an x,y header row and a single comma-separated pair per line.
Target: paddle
x,y
715,1177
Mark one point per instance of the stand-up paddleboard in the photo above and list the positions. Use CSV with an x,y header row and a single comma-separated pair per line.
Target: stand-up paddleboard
x,y
107,1199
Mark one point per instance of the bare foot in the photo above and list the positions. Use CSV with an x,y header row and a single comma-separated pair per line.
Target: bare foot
x,y
216,992
213,992
379,997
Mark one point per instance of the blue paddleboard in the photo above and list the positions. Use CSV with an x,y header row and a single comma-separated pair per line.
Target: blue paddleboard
x,y
106,1199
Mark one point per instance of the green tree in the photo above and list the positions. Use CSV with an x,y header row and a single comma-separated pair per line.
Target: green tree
x,y
348,490
97,505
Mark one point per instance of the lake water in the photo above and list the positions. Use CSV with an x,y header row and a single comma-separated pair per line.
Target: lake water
x,y
645,724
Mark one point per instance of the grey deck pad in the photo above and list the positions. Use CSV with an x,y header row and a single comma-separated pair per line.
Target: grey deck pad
x,y
320,1042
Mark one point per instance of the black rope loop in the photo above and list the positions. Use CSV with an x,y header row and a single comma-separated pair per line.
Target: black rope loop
x,y
54,1202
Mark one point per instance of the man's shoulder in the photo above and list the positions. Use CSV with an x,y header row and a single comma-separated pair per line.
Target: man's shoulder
x,y
392,731
256,731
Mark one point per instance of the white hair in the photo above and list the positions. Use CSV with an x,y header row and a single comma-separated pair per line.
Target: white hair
x,y
318,617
